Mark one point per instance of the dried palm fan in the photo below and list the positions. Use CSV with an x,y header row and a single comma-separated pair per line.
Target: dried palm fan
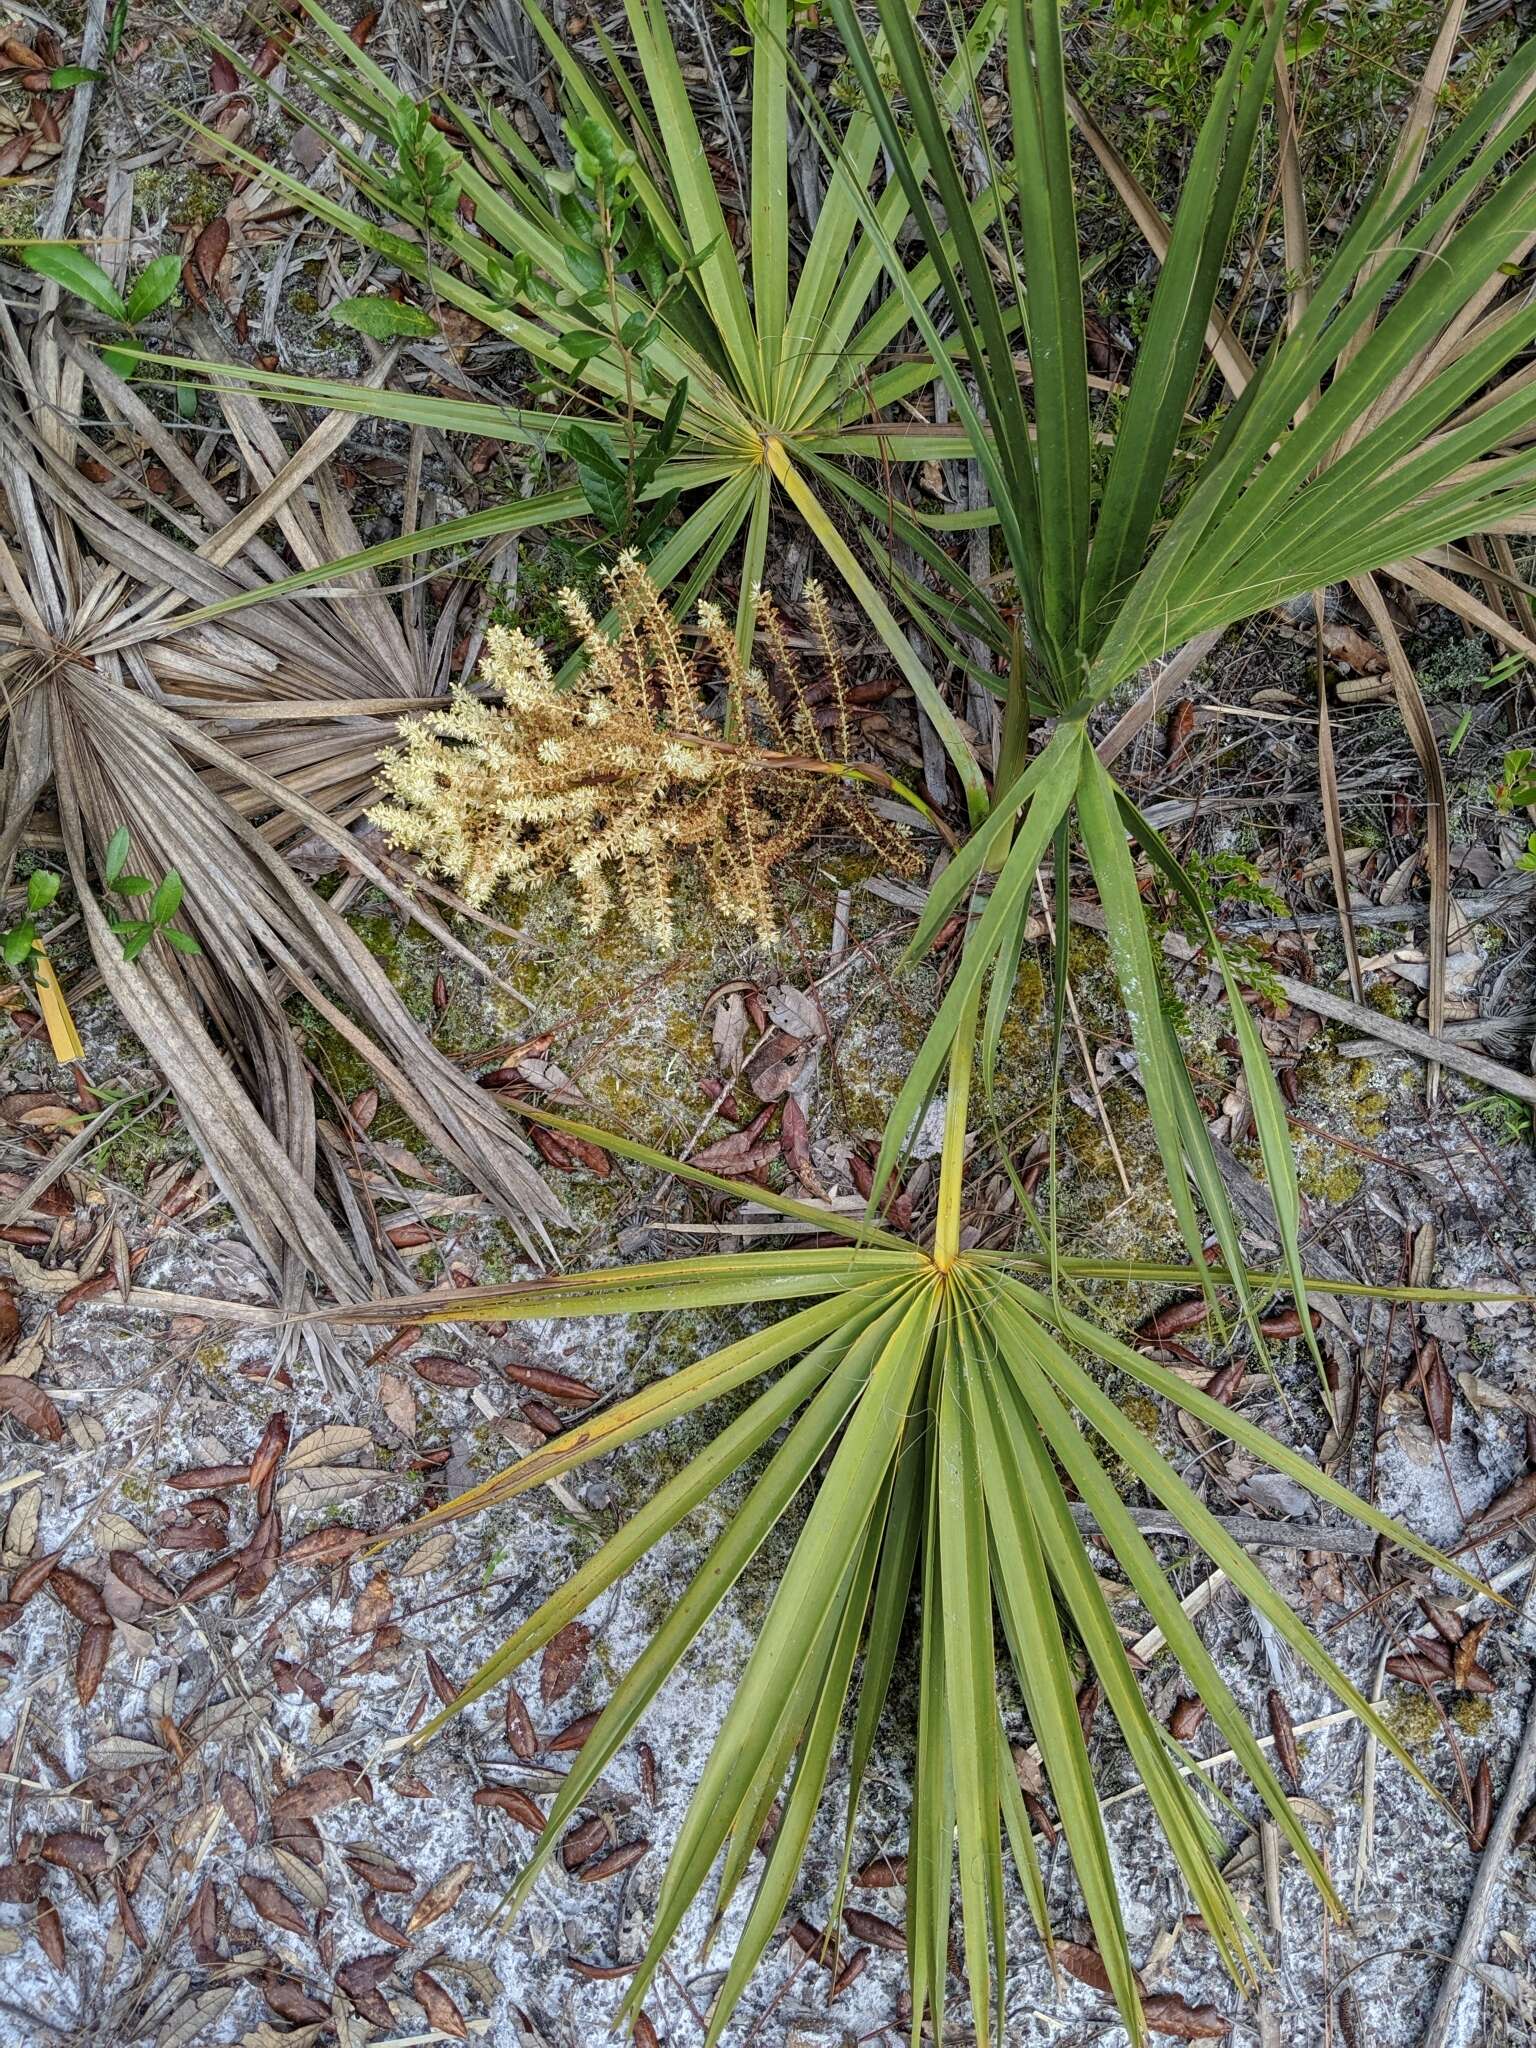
x,y
218,750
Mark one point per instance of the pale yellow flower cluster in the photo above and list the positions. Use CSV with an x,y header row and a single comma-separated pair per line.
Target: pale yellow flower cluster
x,y
616,778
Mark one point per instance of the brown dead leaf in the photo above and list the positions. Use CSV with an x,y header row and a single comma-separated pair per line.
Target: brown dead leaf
x,y
49,1929
86,1855
574,1734
274,1904
28,1406
623,1858
10,1324
360,1980
1482,1805
1166,2013
522,1737
77,1595
881,1873
439,1370
554,1386
91,1660
564,1660
1284,1731
1083,1962
1185,1720
438,2006
875,1929
515,1804
291,2001
582,1841
236,1800
440,1898
320,1792
269,1452
373,1605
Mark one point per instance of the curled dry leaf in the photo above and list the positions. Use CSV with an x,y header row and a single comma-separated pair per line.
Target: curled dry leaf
x,y
1166,2013
373,1606
33,1577
583,1840
274,1904
138,1578
574,1734
320,1792
78,1595
1482,1805
208,1478
236,1800
30,1408
438,2006
440,1898
211,1580
875,1929
881,1872
564,1660
269,1452
10,1324
515,1804
86,1855
850,1973
554,1386
439,1370
1185,1721
327,1546
49,1929
1284,1731
522,1738
1169,1321
622,1858
645,2035
91,1660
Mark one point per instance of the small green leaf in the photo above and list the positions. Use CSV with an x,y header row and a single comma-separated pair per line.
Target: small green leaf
x,y
122,362
139,937
117,853
182,941
584,345
601,475
67,76
74,271
17,944
382,319
186,401
167,899
42,887
155,283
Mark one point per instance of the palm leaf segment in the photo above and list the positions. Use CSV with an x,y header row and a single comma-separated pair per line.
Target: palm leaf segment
x,y
930,1423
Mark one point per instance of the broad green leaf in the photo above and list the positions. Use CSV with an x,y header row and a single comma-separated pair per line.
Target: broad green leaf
x,y
155,284
74,271
381,318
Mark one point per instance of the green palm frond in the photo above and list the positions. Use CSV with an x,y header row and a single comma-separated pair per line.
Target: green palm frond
x,y
1389,418
927,1422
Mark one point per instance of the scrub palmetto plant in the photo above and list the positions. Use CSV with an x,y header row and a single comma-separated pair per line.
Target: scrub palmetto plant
x,y
933,1411
673,371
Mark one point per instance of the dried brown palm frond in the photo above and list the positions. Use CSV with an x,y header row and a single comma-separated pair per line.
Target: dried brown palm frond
x,y
622,777
219,751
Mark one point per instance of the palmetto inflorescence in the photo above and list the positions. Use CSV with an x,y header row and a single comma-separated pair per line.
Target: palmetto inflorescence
x,y
622,777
